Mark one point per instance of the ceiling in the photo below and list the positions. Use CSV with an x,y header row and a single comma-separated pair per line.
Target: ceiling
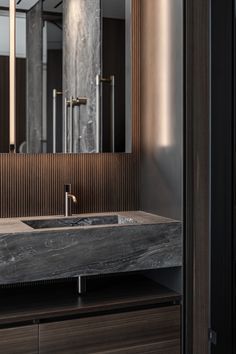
x,y
48,5
110,8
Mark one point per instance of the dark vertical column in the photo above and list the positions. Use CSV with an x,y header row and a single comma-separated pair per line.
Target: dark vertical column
x,y
113,63
4,104
34,28
20,102
222,164
54,80
81,64
197,176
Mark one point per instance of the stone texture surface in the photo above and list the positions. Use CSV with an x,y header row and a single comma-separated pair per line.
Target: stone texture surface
x,y
81,64
78,221
30,255
34,23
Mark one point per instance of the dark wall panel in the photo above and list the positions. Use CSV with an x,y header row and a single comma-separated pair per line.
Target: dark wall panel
x,y
20,101
54,81
222,164
4,103
197,175
114,64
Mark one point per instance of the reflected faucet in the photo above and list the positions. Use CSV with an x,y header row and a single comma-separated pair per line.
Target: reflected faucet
x,y
68,197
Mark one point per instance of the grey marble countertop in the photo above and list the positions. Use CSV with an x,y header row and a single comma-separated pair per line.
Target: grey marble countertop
x,y
15,225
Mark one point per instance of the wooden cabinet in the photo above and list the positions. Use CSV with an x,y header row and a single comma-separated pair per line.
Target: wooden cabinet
x,y
126,315
19,340
155,330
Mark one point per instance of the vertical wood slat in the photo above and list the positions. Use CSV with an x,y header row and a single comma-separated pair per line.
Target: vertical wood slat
x,y
33,184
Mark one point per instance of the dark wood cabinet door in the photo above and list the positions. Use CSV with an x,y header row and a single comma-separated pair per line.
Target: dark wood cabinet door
x,y
19,340
148,331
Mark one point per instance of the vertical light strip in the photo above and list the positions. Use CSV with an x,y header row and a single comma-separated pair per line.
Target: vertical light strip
x,y
164,64
12,73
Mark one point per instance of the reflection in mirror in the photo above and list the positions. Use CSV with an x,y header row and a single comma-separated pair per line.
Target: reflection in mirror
x,y
4,76
73,76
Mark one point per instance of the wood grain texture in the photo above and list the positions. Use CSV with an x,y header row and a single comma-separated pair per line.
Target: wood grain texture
x,y
21,340
131,332
197,148
104,294
33,184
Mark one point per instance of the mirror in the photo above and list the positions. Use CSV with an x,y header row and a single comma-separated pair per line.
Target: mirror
x,y
72,76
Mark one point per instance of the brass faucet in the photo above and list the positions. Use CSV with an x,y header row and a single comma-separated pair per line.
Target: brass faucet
x,y
68,197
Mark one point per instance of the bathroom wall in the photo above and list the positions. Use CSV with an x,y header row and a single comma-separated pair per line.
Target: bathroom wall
x,y
33,184
162,107
162,117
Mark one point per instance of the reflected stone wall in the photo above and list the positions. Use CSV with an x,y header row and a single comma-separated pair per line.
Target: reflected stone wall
x,y
34,28
81,64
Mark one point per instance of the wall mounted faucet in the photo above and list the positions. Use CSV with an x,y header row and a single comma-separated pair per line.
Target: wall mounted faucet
x,y
68,197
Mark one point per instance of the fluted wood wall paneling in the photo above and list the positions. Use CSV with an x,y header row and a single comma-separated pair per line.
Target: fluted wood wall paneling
x,y
32,185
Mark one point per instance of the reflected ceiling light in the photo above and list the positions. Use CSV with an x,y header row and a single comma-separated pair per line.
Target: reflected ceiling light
x,y
12,75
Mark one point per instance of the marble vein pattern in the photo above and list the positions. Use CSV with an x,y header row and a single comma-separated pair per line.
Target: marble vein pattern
x,y
81,64
34,25
29,255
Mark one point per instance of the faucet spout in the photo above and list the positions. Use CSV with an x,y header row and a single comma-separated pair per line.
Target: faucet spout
x,y
73,197
68,197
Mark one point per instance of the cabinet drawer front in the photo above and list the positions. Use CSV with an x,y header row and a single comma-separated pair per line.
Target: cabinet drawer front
x,y
19,340
145,331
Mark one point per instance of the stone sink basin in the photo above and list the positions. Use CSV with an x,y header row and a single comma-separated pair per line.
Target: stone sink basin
x,y
79,221
55,247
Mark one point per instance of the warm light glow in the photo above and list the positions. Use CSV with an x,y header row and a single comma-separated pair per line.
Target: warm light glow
x,y
12,69
164,75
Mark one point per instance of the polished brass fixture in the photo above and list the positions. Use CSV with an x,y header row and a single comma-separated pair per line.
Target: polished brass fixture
x,y
68,120
72,102
77,101
68,197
